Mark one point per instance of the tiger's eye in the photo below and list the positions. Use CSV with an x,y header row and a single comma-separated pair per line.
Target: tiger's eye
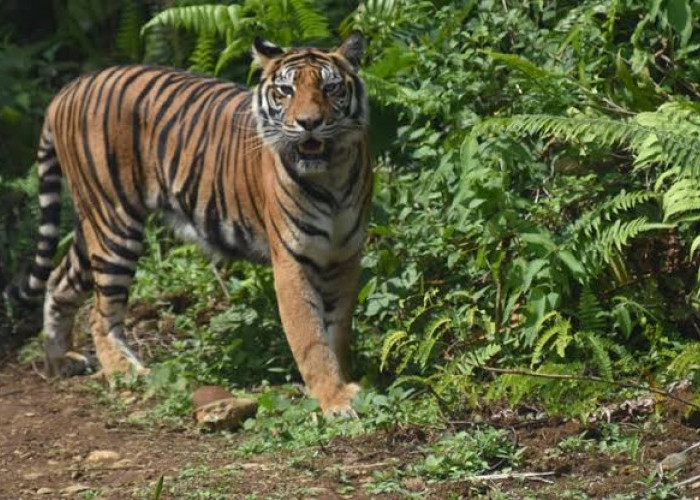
x,y
285,90
334,88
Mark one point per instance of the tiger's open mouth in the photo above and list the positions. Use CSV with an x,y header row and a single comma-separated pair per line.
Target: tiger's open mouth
x,y
311,149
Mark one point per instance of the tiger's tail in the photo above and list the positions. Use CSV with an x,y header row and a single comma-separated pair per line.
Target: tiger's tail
x,y
30,292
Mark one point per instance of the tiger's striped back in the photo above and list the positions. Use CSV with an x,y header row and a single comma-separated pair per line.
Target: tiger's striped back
x,y
168,140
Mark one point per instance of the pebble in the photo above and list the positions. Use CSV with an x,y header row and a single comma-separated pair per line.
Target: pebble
x,y
124,463
102,456
76,488
44,491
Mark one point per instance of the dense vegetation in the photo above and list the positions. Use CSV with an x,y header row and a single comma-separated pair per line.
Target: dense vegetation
x,y
537,195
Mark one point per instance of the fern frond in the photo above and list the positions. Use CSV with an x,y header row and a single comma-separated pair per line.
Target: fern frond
x,y
560,331
157,45
682,200
523,65
673,129
313,24
235,49
390,92
601,357
590,313
591,222
390,342
408,355
480,357
432,334
202,58
128,41
687,361
209,19
611,240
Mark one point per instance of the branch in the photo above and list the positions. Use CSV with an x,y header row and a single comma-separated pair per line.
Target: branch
x,y
510,475
589,378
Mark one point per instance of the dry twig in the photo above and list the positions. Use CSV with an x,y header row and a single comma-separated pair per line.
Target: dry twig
x,y
537,476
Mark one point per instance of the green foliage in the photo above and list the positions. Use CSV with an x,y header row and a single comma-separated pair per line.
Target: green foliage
x,y
225,33
466,453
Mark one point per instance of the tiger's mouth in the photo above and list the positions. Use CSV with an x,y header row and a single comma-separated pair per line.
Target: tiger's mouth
x,y
312,149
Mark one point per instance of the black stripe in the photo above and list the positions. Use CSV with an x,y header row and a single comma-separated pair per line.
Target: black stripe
x,y
47,186
112,291
53,170
51,214
301,259
303,226
125,86
103,266
359,220
311,190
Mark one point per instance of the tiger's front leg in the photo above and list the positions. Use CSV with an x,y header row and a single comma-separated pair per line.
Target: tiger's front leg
x,y
302,311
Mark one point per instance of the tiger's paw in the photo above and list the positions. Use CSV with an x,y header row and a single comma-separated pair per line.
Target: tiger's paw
x,y
71,364
339,405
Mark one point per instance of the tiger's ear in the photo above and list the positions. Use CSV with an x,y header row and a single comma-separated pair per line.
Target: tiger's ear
x,y
353,48
265,52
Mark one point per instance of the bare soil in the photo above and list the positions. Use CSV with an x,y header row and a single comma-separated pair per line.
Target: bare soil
x,y
59,439
50,430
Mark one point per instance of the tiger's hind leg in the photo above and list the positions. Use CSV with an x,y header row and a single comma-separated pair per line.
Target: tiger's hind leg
x,y
113,260
67,288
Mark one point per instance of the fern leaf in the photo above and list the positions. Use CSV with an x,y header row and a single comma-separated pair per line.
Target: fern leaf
x,y
201,19
408,354
202,58
681,198
590,313
235,49
523,65
313,24
675,134
431,336
389,343
128,41
600,354
481,356
687,361
559,331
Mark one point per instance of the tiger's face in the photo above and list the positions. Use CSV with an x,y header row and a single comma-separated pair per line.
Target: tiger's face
x,y
310,105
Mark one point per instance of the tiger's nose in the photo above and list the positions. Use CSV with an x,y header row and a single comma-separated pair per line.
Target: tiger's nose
x,y
310,123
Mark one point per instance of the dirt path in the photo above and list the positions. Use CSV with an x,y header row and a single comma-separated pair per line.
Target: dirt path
x,y
58,440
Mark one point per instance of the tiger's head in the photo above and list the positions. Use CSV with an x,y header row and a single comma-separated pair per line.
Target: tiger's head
x,y
310,105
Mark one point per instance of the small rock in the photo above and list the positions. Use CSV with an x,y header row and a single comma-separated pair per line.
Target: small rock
x,y
413,484
124,463
76,488
102,456
215,408
32,476
44,491
30,414
137,415
317,491
673,461
208,394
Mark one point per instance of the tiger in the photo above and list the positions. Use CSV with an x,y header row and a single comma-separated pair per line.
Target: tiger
x,y
277,174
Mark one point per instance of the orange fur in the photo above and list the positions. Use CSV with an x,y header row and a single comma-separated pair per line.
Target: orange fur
x,y
278,174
